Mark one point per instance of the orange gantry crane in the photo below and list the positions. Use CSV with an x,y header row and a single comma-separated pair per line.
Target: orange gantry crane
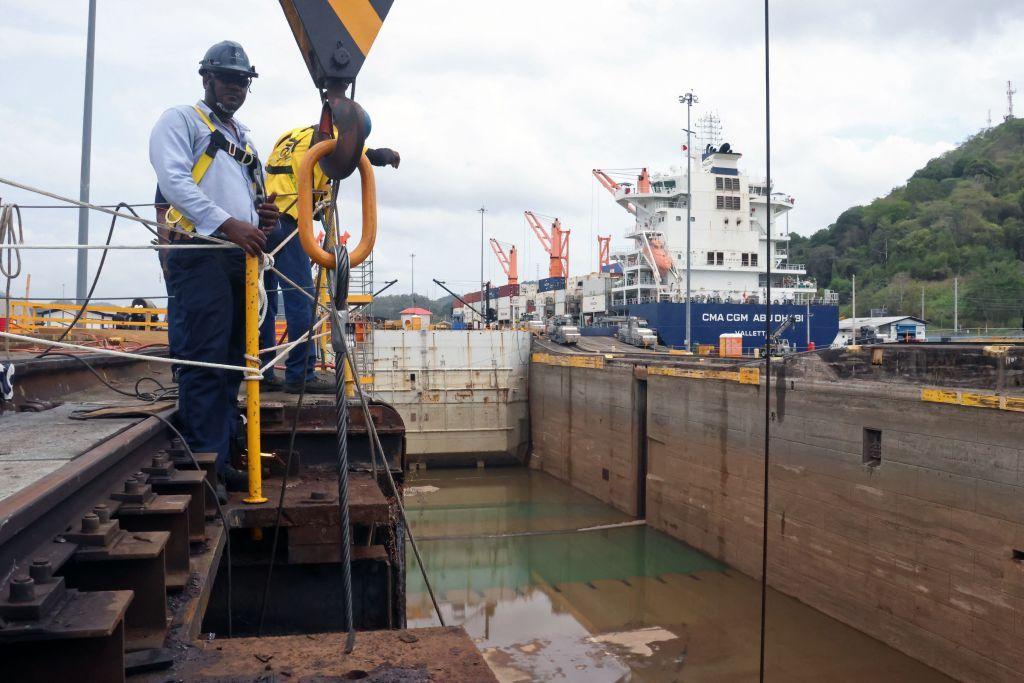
x,y
603,252
509,262
555,243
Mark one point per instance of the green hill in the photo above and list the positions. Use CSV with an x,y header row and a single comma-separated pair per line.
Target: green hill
x,y
962,215
389,305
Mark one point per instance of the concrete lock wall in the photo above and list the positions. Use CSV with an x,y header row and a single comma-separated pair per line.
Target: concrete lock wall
x,y
461,393
917,551
585,430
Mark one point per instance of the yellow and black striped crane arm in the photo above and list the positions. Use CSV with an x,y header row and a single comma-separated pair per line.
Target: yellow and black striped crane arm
x,y
335,36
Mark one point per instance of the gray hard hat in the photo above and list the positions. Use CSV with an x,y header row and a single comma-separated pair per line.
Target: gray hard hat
x,y
227,56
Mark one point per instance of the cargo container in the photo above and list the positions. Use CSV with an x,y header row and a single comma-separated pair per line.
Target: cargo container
x,y
550,284
730,345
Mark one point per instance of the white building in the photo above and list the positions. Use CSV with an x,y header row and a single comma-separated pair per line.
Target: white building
x,y
415,319
891,328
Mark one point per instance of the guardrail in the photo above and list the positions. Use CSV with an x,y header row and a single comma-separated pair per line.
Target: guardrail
x,y
30,316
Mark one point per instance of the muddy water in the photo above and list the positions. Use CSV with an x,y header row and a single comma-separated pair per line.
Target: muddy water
x,y
620,603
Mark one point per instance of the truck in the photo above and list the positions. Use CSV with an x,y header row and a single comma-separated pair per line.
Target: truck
x,y
561,329
531,322
634,331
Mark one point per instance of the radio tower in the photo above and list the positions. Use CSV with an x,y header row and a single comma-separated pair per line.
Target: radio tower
x,y
709,129
1010,92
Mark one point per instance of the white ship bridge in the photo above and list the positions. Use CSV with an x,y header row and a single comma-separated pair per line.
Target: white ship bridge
x,y
729,245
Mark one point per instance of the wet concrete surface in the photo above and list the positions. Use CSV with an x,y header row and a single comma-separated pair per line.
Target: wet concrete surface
x,y
545,601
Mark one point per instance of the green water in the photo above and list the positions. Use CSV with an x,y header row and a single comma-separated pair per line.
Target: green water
x,y
544,600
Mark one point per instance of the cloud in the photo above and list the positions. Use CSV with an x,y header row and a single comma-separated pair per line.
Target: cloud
x,y
510,106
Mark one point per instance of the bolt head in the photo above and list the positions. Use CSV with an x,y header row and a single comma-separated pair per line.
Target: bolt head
x,y
23,589
41,570
90,522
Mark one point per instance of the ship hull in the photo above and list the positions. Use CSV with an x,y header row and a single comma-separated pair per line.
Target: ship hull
x,y
709,321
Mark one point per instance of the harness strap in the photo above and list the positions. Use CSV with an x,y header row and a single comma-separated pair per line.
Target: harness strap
x,y
218,142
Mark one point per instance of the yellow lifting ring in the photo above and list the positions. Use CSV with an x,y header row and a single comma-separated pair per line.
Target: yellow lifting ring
x,y
304,182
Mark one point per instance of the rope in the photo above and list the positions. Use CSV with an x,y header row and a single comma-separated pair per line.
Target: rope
x,y
96,207
249,372
12,233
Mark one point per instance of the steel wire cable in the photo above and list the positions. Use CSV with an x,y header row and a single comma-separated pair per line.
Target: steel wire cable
x,y
767,345
339,309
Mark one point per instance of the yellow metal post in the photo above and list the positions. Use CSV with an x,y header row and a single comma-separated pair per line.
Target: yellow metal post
x,y
252,384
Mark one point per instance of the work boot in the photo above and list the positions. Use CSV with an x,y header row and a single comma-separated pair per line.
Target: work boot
x,y
314,385
270,383
234,480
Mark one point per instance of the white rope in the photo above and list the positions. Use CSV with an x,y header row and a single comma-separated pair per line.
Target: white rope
x,y
266,261
251,373
104,247
102,209
290,345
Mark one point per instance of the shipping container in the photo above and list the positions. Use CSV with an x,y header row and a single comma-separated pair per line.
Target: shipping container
x,y
594,304
730,345
550,284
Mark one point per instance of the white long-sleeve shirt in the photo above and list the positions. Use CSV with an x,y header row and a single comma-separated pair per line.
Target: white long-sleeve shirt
x,y
178,139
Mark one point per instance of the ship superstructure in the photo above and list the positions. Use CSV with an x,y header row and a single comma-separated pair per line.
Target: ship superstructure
x,y
729,249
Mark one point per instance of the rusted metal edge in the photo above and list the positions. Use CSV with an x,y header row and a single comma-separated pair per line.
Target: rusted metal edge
x,y
43,509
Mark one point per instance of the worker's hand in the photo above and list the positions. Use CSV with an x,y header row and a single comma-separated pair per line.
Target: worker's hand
x,y
269,213
246,235
383,157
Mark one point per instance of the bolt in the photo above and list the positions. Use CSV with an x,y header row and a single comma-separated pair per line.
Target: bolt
x,y
161,460
318,495
23,589
341,56
41,570
134,486
90,523
102,511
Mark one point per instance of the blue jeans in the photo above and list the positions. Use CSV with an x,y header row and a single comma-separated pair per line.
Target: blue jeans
x,y
209,325
292,261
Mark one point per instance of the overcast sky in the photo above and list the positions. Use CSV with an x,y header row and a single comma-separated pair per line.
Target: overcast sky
x,y
509,106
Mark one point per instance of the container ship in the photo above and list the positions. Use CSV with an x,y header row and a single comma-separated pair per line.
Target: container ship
x,y
729,257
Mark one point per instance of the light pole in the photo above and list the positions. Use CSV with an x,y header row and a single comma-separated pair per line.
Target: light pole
x,y
688,99
412,278
81,281
482,210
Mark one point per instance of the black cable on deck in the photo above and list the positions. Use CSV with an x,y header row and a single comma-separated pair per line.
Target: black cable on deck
x,y
767,338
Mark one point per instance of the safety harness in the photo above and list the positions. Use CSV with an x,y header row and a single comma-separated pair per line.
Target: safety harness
x,y
218,143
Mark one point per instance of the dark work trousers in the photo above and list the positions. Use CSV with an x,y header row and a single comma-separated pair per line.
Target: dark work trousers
x,y
208,286
298,308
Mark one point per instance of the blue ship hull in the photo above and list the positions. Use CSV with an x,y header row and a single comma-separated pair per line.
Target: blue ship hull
x,y
708,321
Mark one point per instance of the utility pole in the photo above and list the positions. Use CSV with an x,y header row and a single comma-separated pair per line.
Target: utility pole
x,y
922,302
482,210
688,99
412,278
83,186
956,305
